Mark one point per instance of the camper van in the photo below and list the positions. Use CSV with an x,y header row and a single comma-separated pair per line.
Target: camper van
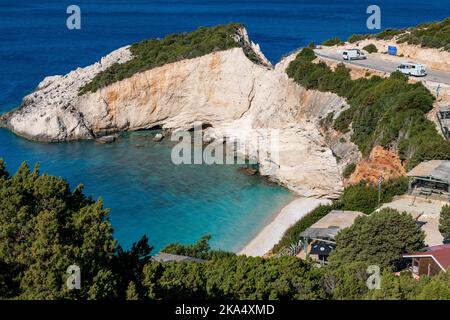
x,y
353,54
413,69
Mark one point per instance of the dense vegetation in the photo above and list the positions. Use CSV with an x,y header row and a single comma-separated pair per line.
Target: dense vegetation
x,y
427,35
153,53
332,42
379,239
370,48
384,111
348,170
359,197
444,223
45,227
234,277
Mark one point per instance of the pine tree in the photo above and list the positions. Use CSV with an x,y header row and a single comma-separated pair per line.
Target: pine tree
x,y
444,222
3,172
380,239
131,292
44,229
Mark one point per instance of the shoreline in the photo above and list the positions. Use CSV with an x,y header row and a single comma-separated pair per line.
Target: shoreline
x,y
272,233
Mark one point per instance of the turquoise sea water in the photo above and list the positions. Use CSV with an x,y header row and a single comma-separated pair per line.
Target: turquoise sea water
x,y
146,193
149,195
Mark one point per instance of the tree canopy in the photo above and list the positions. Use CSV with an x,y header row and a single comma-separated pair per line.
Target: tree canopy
x,y
444,222
149,54
45,227
379,239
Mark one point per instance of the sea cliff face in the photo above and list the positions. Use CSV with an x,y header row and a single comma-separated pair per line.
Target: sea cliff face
x,y
222,89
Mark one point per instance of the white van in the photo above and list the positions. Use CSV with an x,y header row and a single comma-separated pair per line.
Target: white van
x,y
353,54
413,69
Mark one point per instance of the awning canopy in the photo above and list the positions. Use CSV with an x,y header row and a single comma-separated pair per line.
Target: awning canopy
x,y
434,169
320,233
330,225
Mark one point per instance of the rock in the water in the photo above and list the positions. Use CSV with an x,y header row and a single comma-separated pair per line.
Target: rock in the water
x,y
249,171
158,137
107,139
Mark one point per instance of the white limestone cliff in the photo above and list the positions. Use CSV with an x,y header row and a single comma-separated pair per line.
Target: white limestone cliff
x,y
223,89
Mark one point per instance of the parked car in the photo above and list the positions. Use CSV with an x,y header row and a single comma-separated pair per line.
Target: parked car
x,y
353,54
413,69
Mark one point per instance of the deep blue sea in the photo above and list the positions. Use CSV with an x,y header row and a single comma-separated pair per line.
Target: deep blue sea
x,y
134,176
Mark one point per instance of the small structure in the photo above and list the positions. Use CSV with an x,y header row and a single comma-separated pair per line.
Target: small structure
x,y
430,262
392,50
319,240
431,179
444,121
168,257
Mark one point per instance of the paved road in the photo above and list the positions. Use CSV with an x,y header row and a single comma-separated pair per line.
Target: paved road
x,y
382,65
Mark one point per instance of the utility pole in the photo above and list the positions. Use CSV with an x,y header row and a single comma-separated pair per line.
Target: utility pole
x,y
380,181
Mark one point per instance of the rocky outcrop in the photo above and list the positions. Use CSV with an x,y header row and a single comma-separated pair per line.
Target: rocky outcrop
x,y
51,112
235,97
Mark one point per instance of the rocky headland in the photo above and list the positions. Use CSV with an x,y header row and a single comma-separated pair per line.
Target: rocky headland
x,y
231,93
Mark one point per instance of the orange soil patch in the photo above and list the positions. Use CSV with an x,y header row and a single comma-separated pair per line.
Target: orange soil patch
x,y
381,162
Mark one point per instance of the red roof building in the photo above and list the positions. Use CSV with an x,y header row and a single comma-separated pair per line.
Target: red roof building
x,y
430,262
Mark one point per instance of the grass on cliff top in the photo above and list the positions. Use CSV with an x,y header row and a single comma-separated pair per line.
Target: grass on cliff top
x,y
153,53
383,111
426,35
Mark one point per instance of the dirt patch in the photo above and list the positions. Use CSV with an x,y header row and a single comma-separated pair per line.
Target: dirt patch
x,y
381,162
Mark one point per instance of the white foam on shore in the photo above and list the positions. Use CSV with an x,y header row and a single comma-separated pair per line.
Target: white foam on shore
x,y
273,232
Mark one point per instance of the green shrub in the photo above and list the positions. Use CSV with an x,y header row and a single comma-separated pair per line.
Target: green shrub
x,y
431,35
332,42
370,48
357,37
359,197
444,222
348,170
393,187
388,34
